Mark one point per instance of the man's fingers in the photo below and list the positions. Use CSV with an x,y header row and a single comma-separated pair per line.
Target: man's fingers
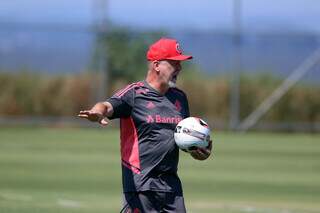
x,y
201,153
103,122
85,112
83,115
204,152
197,154
210,145
91,116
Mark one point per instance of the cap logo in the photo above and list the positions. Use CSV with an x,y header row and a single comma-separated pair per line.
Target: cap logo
x,y
178,48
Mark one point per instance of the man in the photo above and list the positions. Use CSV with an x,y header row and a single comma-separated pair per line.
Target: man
x,y
149,112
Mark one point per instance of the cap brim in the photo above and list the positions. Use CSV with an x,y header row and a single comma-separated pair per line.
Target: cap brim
x,y
180,57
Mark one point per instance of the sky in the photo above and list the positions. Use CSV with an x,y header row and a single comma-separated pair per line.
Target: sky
x,y
257,15
47,48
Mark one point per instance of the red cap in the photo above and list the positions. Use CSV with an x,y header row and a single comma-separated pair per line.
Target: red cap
x,y
166,48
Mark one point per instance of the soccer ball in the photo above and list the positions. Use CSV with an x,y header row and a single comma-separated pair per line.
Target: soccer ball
x,y
191,133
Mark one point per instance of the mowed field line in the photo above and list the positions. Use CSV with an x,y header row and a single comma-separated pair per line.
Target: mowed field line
x,y
78,170
246,207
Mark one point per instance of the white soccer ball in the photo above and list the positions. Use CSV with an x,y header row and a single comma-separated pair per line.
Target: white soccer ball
x,y
191,133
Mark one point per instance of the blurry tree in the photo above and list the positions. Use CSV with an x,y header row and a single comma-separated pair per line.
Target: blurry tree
x,y
124,53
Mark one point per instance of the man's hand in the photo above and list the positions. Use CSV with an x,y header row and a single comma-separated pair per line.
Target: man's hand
x,y
93,116
202,153
98,113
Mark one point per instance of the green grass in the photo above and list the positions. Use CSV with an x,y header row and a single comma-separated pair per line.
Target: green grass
x,y
78,170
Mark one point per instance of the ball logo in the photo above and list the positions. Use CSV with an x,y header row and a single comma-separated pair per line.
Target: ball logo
x,y
178,48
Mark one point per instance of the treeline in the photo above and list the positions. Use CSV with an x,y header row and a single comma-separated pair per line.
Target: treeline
x,y
210,96
32,94
43,95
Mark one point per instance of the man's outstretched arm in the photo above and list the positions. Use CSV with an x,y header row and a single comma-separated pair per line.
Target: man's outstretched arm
x,y
98,113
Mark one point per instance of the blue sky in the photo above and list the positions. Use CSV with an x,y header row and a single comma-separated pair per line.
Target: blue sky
x,y
65,50
258,15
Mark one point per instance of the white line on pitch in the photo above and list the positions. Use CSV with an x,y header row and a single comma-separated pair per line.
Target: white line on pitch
x,y
69,203
15,196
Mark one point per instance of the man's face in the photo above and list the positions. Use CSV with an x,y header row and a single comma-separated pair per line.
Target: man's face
x,y
169,71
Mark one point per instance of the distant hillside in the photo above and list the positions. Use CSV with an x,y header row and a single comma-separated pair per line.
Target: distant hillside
x,y
259,53
45,51
71,51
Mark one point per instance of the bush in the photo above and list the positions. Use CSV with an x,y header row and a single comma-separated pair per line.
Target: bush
x,y
209,97
35,94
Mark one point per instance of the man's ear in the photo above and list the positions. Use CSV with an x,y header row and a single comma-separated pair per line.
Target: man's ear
x,y
155,66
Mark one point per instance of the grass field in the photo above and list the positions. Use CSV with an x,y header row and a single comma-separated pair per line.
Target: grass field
x,y
56,170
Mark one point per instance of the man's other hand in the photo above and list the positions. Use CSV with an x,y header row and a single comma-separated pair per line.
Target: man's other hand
x,y
202,153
